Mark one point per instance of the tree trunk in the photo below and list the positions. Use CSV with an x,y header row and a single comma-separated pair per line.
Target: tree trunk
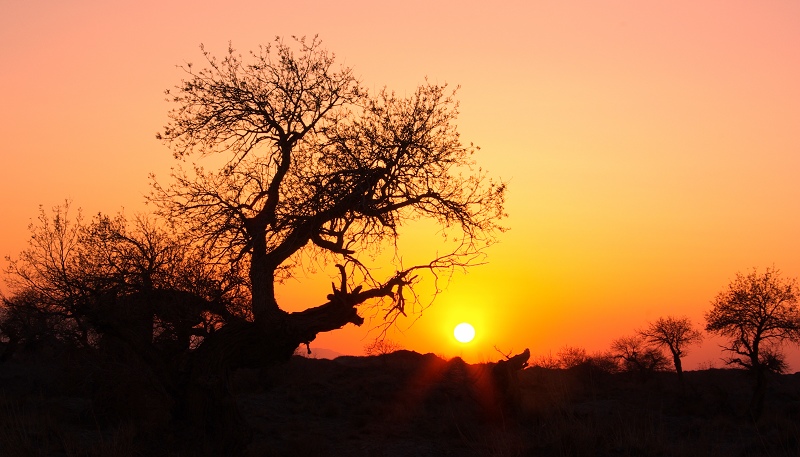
x,y
272,337
265,308
679,369
205,400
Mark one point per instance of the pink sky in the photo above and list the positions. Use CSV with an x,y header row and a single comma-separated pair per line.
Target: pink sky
x,y
652,148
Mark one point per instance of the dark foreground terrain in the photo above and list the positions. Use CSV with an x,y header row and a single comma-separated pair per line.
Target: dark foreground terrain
x,y
404,404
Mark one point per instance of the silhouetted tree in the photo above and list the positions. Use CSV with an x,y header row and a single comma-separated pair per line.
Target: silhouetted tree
x,y
758,312
637,357
313,166
306,164
158,283
49,283
381,346
80,282
133,297
604,362
674,333
548,360
570,356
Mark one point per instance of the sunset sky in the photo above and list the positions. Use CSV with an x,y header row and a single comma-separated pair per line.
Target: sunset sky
x,y
652,148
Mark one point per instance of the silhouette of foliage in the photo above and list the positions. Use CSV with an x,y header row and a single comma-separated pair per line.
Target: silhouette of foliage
x,y
758,312
637,357
604,362
570,356
315,167
548,361
305,165
674,333
382,346
79,280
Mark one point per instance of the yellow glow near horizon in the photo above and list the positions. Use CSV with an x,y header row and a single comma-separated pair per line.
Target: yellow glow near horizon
x,y
464,332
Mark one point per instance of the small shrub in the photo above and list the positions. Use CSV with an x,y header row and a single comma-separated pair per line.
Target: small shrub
x,y
382,346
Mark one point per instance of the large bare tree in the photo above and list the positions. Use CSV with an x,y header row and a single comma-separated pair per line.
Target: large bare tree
x,y
304,162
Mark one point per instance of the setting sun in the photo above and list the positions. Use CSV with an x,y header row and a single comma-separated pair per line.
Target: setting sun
x,y
464,332
309,221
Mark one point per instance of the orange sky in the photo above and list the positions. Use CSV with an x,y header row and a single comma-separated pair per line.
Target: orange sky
x,y
652,148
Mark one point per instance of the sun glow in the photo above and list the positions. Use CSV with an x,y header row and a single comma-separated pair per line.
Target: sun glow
x,y
464,332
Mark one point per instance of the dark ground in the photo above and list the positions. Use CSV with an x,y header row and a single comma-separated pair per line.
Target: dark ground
x,y
403,404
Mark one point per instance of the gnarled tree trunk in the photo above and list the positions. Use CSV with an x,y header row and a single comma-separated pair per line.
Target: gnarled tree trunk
x,y
205,400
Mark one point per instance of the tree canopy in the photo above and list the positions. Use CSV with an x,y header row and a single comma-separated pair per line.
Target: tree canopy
x,y
636,356
675,333
758,312
80,281
312,164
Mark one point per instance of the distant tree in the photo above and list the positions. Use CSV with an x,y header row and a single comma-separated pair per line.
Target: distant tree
x,y
637,357
604,361
382,346
547,361
758,312
674,333
570,356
